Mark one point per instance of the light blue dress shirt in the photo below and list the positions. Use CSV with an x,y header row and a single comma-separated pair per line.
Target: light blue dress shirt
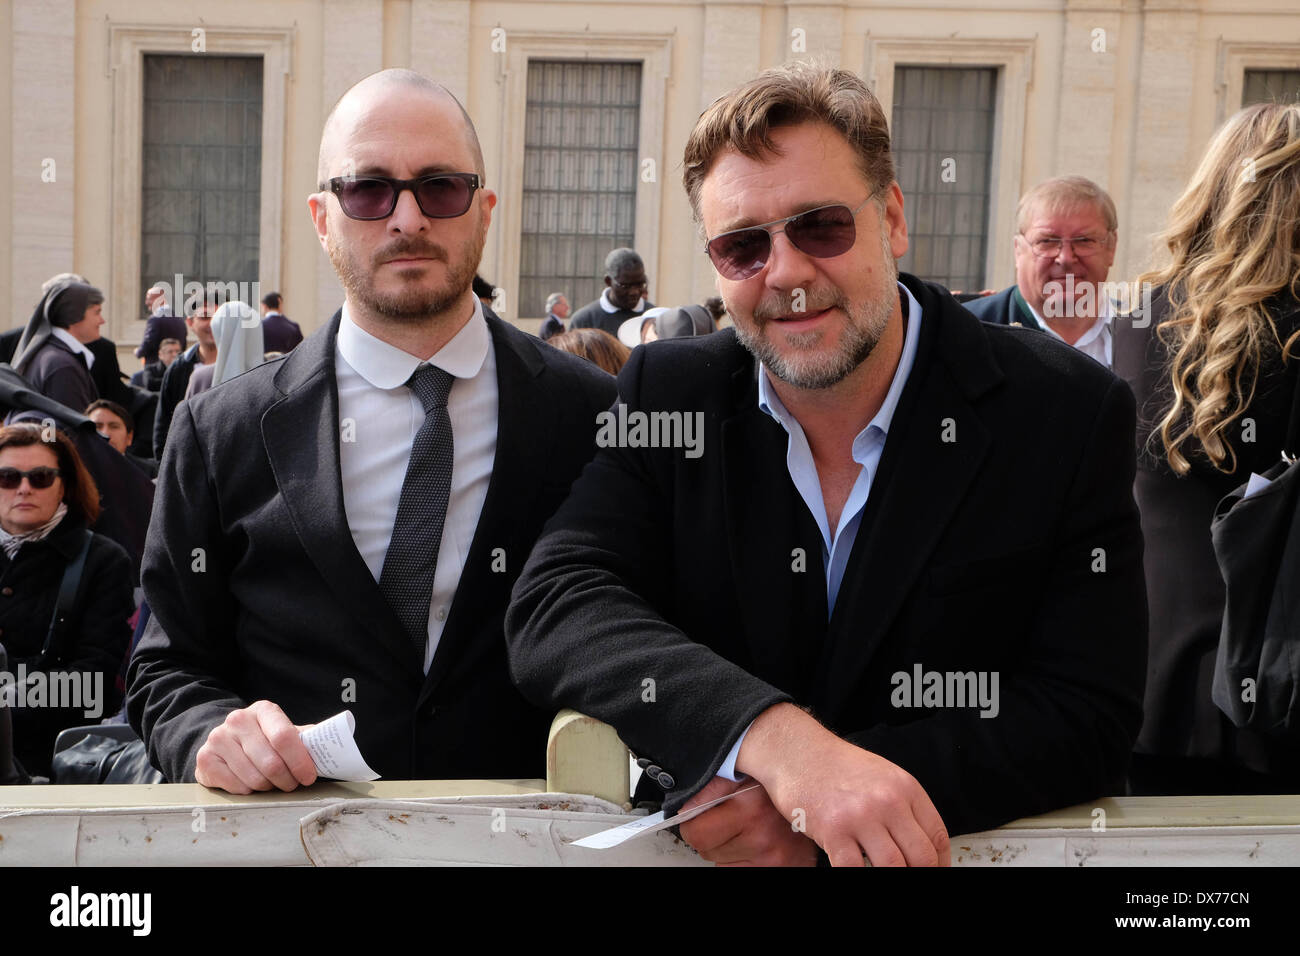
x,y
867,448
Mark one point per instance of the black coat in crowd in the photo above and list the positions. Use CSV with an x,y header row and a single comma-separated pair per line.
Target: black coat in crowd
x,y
1196,749
158,327
150,377
94,639
974,554
285,609
106,373
1003,308
174,383
280,333
59,373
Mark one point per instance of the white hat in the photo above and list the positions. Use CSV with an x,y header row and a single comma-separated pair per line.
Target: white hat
x,y
629,333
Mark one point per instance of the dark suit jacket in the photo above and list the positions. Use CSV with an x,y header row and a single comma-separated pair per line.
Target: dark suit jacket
x,y
106,373
973,555
150,377
1000,308
286,608
551,325
157,328
280,333
1183,578
9,344
174,383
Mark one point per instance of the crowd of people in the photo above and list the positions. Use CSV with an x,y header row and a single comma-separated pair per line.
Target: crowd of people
x,y
417,515
74,509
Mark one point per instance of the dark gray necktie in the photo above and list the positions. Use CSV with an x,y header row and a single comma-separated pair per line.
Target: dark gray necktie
x,y
412,557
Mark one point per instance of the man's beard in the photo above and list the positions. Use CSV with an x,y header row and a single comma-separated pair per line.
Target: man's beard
x,y
798,366
413,302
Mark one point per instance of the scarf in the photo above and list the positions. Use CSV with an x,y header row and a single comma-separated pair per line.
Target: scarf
x,y
238,331
12,542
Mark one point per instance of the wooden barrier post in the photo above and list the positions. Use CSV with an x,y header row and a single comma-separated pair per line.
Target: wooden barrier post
x,y
586,756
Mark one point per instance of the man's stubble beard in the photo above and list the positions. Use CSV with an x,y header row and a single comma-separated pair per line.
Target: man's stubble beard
x,y
858,336
413,303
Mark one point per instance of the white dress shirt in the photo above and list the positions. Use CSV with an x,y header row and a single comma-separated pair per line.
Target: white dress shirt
x,y
381,416
868,446
1096,343
72,342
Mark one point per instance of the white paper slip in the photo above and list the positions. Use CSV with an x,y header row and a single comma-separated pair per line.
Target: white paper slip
x,y
612,837
1255,483
334,751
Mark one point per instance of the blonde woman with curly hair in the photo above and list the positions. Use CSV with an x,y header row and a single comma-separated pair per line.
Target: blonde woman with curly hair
x,y
1214,371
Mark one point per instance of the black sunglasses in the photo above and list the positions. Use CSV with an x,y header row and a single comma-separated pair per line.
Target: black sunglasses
x,y
823,233
40,478
444,196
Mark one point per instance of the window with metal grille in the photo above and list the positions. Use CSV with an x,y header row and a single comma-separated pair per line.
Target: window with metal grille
x,y
580,177
201,169
1270,86
942,133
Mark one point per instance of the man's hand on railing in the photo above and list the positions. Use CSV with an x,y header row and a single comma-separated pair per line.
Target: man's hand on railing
x,y
746,830
850,801
256,748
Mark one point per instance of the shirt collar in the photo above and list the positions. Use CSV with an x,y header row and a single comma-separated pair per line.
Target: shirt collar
x,y
770,403
1100,328
70,340
611,307
386,366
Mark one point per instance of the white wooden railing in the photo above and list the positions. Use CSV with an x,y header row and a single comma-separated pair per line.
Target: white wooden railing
x,y
533,822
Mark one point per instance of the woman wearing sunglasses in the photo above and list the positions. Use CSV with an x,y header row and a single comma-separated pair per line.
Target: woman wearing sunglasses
x,y
47,503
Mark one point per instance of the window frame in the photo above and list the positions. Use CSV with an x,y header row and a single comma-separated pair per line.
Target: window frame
x,y
1014,62
654,53
931,186
128,44
1235,58
586,271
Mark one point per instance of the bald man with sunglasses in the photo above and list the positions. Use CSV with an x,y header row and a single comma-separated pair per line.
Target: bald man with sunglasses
x,y
926,613
339,529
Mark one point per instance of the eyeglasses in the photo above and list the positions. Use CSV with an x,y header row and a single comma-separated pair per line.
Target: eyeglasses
x,y
823,233
1050,247
39,478
444,196
638,284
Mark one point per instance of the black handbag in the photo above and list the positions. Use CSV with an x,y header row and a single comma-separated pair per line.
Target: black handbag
x,y
99,758
1257,544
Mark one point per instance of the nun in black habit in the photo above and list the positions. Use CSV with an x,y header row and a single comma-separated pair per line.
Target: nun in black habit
x,y
51,355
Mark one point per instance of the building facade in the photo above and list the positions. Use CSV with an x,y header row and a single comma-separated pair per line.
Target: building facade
x,y
150,139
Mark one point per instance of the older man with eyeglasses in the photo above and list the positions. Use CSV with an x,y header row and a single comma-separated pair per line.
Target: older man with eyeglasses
x,y
1064,245
339,529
